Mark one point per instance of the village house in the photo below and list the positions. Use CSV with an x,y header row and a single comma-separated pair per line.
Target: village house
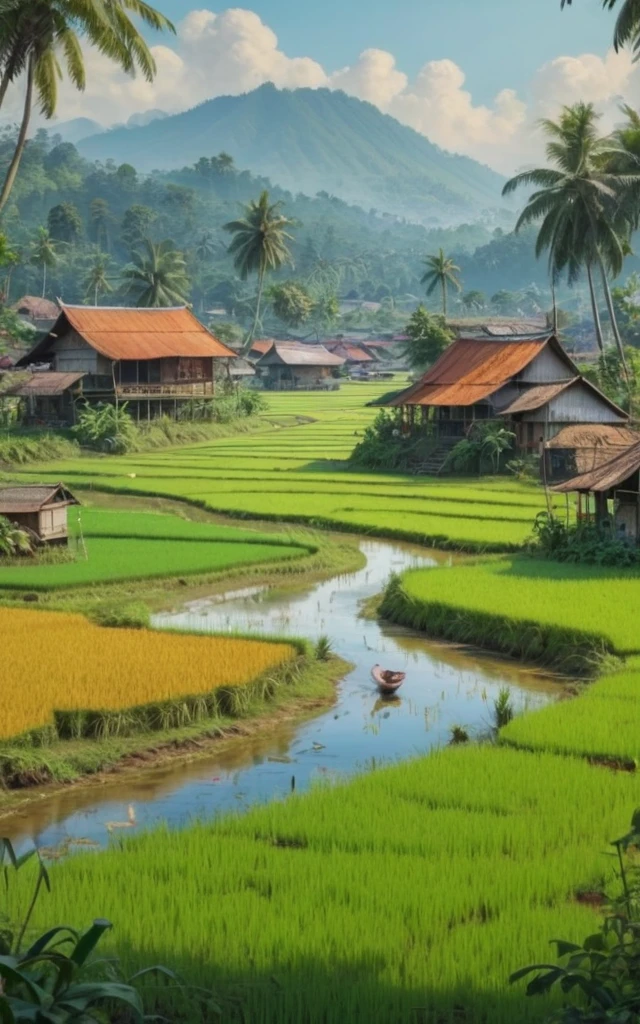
x,y
41,314
290,365
529,384
39,509
610,494
583,447
153,359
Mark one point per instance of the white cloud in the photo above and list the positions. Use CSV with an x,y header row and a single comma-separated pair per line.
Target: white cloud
x,y
233,51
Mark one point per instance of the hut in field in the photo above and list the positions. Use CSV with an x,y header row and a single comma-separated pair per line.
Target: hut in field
x,y
289,366
529,384
584,447
154,359
41,509
610,494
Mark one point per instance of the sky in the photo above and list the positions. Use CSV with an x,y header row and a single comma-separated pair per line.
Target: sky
x,y
475,76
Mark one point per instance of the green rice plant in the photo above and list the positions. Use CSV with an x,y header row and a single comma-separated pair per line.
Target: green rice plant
x,y
490,852
503,708
323,648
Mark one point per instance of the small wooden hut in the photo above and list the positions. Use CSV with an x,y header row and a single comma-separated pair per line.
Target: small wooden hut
x,y
612,491
41,509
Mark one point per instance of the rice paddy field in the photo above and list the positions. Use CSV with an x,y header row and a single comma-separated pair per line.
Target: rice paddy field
x,y
296,470
110,547
506,602
410,894
95,682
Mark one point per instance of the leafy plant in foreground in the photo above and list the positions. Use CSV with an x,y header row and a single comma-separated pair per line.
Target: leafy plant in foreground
x,y
604,972
106,427
13,540
48,981
503,708
323,648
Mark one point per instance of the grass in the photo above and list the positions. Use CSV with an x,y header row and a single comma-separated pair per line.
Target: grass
x,y
569,617
123,546
298,472
603,725
417,886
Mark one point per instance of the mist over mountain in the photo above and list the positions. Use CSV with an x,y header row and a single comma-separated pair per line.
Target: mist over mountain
x,y
315,140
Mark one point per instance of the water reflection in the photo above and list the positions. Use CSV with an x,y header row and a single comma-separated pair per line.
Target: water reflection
x,y
444,687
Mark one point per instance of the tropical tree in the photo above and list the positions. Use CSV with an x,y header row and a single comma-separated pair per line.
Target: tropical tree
x,y
44,255
13,540
474,301
428,338
97,282
36,35
157,275
291,303
136,223
440,272
325,313
65,223
259,245
100,223
577,206
205,248
627,28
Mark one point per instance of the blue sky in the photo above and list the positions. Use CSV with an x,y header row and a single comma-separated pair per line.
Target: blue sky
x,y
499,43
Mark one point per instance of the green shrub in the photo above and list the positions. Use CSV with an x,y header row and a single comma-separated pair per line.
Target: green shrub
x,y
129,616
589,543
107,428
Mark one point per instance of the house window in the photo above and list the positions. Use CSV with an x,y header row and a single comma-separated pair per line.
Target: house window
x,y
128,371
154,367
143,373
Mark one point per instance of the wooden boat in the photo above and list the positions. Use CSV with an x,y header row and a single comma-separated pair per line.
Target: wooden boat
x,y
387,682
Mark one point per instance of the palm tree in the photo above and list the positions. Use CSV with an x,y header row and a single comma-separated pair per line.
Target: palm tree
x,y
259,245
577,204
627,28
205,248
97,282
35,34
157,276
45,255
440,272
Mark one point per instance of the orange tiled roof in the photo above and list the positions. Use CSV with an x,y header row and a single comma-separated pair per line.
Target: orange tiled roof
x,y
470,370
118,333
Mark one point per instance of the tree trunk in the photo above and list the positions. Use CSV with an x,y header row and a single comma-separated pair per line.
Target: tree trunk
x,y
249,341
614,321
44,279
555,307
444,298
594,307
12,172
95,296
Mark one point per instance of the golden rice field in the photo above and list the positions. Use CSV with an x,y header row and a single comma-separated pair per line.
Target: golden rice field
x,y
63,676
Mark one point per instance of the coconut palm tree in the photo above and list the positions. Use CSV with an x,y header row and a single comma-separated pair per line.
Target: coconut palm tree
x,y
45,255
157,276
259,245
97,282
577,206
35,35
440,272
627,27
205,248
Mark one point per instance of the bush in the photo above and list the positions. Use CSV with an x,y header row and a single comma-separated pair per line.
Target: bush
x,y
13,540
107,428
483,448
587,543
21,447
384,446
129,616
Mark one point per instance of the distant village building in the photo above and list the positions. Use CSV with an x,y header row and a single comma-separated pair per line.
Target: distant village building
x,y
355,354
37,312
617,482
530,384
39,509
289,365
154,359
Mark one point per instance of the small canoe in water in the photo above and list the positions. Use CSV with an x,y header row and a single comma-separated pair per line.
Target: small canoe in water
x,y
387,682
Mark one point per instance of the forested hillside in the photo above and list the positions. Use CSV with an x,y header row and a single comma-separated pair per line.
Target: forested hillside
x,y
66,211
308,140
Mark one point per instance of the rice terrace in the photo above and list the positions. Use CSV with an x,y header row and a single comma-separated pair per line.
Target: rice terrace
x,y
319,513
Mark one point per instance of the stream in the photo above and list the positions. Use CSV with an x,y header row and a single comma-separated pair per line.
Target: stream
x,y
444,687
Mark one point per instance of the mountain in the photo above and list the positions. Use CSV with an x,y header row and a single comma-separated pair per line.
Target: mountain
x,y
145,118
312,140
76,130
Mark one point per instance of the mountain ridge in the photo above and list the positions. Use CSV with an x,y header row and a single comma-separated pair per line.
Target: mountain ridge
x,y
312,140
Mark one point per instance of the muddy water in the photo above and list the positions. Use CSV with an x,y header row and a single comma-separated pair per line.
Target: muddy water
x,y
444,687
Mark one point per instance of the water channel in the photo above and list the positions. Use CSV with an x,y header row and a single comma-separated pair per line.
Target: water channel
x,y
444,687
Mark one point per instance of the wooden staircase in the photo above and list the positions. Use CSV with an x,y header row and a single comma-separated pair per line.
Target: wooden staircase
x,y
434,463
